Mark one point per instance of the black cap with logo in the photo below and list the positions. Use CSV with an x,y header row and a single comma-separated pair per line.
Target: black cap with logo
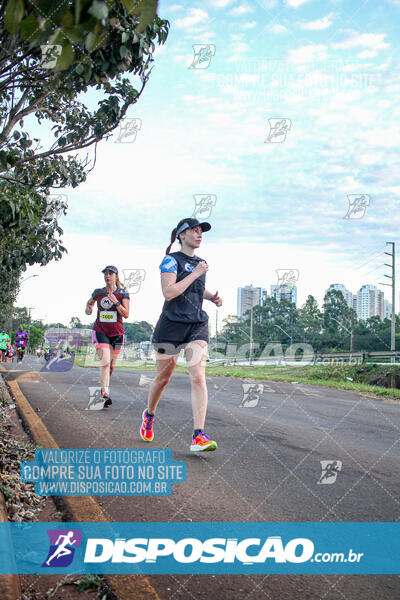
x,y
190,223
110,268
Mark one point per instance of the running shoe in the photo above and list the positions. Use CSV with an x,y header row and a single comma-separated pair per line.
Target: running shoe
x,y
202,443
146,430
107,400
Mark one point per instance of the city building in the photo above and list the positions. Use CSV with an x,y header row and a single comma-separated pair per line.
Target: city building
x,y
348,296
369,302
249,296
387,310
289,292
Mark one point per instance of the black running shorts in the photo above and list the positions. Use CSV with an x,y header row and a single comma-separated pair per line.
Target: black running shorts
x,y
170,337
115,341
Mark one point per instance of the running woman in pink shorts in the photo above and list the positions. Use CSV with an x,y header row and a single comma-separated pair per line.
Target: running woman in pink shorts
x,y
108,330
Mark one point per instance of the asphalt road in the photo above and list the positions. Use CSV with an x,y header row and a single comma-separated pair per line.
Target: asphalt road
x,y
266,468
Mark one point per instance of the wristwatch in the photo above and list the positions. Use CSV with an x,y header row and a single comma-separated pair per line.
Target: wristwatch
x,y
117,304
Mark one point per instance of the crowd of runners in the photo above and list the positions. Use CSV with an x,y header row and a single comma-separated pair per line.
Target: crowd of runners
x,y
13,350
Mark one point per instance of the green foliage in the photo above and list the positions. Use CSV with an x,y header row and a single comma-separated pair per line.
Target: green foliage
x,y
326,331
89,582
35,336
51,55
138,331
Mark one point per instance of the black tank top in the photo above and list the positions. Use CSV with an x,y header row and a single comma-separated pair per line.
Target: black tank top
x,y
187,307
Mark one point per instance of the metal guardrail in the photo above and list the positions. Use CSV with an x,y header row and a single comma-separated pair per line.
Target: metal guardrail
x,y
355,358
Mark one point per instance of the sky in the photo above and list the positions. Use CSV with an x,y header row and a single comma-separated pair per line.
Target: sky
x,y
280,117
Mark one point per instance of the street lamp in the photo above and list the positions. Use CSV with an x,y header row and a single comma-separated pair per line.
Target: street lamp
x,y
279,327
21,281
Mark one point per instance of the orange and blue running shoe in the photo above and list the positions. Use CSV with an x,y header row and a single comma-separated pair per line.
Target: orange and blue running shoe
x,y
146,430
106,399
202,443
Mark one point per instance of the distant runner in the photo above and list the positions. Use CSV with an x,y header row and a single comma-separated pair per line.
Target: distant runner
x,y
108,330
10,352
183,324
21,338
4,338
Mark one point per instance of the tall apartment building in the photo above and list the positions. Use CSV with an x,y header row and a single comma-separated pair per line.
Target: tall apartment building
x,y
387,310
249,296
348,296
289,292
370,302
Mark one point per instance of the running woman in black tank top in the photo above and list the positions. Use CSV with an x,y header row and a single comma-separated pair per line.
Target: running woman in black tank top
x,y
183,324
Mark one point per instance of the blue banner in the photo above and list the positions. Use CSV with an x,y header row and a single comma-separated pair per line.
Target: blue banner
x,y
200,548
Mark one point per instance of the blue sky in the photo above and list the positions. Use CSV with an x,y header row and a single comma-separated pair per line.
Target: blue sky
x,y
330,71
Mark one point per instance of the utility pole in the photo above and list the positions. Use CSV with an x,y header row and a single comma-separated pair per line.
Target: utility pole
x,y
392,277
29,324
251,335
351,334
216,332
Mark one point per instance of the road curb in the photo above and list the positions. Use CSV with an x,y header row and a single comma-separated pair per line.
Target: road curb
x,y
10,588
81,508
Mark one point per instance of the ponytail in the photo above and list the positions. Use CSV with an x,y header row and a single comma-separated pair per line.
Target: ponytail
x,y
118,283
173,234
173,238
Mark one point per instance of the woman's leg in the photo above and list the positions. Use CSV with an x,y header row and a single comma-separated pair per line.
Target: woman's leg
x,y
196,356
103,352
165,367
117,343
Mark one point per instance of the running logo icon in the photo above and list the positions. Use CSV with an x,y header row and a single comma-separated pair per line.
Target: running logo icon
x,y
278,130
96,401
58,364
128,129
133,278
287,277
251,394
357,206
62,547
330,470
203,54
50,54
203,205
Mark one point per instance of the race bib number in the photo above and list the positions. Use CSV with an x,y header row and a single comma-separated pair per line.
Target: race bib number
x,y
108,316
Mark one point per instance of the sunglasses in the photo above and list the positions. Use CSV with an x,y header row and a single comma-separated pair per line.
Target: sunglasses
x,y
109,273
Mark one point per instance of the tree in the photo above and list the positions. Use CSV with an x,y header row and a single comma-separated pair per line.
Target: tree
x,y
35,337
139,331
75,322
51,55
310,321
337,312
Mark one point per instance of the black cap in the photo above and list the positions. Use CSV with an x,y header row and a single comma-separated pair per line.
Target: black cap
x,y
190,223
110,268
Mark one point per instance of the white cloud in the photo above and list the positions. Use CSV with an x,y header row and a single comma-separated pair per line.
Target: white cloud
x,y
372,41
276,28
318,24
194,16
220,3
308,53
242,9
248,25
296,3
176,7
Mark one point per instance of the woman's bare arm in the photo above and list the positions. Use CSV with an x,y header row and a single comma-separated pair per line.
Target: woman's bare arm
x,y
89,305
